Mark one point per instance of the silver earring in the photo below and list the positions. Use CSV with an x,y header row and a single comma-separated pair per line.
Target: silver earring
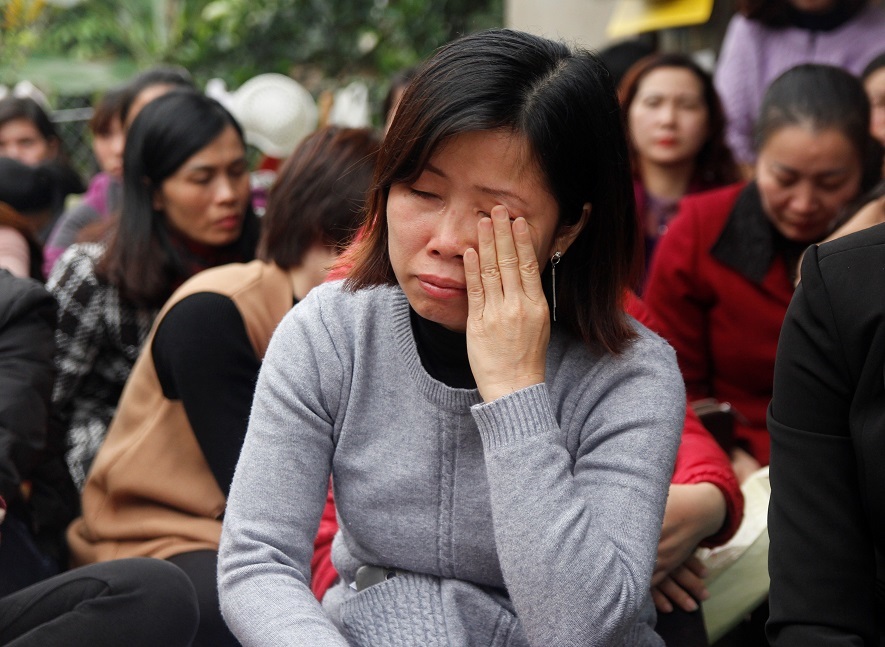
x,y
557,256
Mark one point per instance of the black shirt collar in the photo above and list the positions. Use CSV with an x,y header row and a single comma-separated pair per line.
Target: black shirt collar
x,y
443,352
749,243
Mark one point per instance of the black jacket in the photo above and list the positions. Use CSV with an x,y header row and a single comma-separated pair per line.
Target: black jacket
x,y
827,424
27,452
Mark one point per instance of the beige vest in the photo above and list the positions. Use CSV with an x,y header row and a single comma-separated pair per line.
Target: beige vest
x,y
150,491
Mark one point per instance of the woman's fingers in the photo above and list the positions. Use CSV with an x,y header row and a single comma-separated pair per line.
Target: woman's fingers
x,y
505,249
529,270
489,272
508,262
677,595
696,566
475,291
662,602
690,582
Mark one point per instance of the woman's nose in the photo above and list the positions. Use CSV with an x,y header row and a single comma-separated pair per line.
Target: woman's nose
x,y
804,200
225,190
667,113
453,233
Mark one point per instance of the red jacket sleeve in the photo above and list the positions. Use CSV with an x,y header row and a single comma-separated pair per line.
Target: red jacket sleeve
x,y
323,574
699,459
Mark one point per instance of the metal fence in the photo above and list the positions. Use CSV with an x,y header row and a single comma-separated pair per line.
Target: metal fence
x,y
71,119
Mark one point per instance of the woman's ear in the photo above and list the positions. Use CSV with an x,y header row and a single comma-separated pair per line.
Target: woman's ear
x,y
567,234
157,201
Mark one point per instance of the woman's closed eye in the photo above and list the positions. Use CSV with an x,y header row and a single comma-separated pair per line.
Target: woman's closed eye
x,y
201,178
425,195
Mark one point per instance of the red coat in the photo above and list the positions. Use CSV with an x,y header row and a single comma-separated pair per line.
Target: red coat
x,y
724,326
700,459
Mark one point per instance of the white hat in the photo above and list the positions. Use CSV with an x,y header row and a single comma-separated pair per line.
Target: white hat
x,y
351,107
276,113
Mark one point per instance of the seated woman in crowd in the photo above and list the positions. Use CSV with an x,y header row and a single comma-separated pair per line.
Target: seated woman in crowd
x,y
722,277
159,482
33,544
826,424
103,605
500,461
677,138
29,136
185,208
26,198
768,37
102,198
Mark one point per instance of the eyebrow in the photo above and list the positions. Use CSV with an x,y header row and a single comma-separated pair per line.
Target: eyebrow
x,y
212,167
492,191
788,169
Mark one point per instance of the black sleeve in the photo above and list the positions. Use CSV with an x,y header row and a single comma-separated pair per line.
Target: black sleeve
x,y
204,358
27,345
821,557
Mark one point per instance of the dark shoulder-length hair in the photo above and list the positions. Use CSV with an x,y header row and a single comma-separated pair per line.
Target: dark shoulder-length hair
x,y
714,164
140,261
319,195
564,104
822,97
778,13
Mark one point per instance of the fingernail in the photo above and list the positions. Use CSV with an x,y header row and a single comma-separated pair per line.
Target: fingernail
x,y
520,225
692,605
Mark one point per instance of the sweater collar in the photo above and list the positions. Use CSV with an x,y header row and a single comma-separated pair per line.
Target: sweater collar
x,y
448,398
749,243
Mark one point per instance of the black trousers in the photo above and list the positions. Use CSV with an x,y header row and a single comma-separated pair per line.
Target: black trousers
x,y
682,628
22,563
200,567
134,602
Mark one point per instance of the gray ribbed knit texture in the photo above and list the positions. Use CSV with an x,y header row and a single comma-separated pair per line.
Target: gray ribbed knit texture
x,y
554,493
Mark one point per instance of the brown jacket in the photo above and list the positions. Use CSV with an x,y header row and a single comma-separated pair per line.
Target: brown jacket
x,y
150,492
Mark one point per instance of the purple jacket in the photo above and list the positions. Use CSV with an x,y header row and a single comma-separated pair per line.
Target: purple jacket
x,y
753,55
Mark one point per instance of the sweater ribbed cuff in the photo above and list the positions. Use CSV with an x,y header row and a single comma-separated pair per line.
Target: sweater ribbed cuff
x,y
514,417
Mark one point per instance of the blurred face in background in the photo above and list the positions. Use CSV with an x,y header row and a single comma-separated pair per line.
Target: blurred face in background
x,y
205,200
875,87
20,139
805,178
108,148
668,118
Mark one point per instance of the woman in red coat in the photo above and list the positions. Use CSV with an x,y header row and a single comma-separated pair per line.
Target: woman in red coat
x,y
723,276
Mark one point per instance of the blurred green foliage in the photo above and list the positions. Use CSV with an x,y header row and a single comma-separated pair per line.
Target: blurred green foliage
x,y
317,41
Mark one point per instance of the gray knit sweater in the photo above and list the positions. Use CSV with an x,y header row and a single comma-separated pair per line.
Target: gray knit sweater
x,y
530,520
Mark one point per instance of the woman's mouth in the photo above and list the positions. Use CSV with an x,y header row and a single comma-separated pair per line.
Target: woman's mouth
x,y
441,287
